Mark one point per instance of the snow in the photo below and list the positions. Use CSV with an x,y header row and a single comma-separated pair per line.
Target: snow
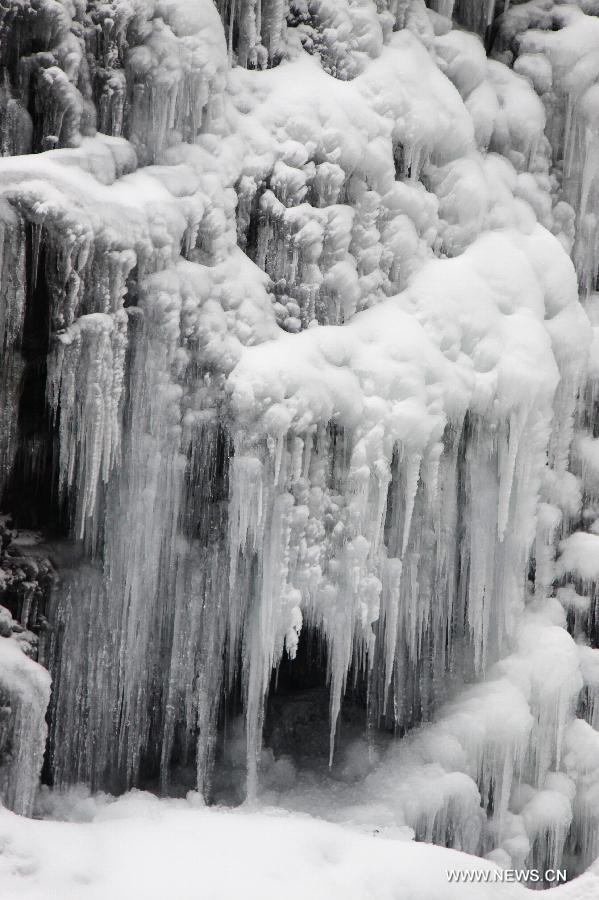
x,y
579,556
564,59
139,847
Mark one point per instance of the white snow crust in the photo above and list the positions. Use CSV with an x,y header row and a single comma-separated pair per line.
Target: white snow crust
x,y
140,847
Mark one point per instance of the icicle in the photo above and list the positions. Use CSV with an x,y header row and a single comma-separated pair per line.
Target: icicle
x,y
390,615
245,516
85,381
507,464
262,649
476,15
483,497
412,475
12,316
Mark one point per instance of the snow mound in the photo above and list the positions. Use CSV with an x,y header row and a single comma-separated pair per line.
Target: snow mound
x,y
140,848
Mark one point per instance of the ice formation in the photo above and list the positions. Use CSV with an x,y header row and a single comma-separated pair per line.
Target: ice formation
x,y
300,337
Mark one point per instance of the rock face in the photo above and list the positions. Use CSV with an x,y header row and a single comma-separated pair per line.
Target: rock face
x,y
293,346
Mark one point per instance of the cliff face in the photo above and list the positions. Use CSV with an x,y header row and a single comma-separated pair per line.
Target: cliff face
x,y
296,379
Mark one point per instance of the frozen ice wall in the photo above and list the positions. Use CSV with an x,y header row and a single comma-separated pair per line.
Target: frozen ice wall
x,y
24,683
292,343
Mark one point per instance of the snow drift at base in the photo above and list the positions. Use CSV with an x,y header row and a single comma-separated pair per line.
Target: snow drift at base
x,y
139,846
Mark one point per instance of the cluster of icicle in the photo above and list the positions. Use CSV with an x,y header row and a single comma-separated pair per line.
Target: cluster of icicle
x,y
318,360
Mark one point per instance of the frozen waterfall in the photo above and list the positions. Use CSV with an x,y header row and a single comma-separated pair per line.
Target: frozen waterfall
x,y
299,410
